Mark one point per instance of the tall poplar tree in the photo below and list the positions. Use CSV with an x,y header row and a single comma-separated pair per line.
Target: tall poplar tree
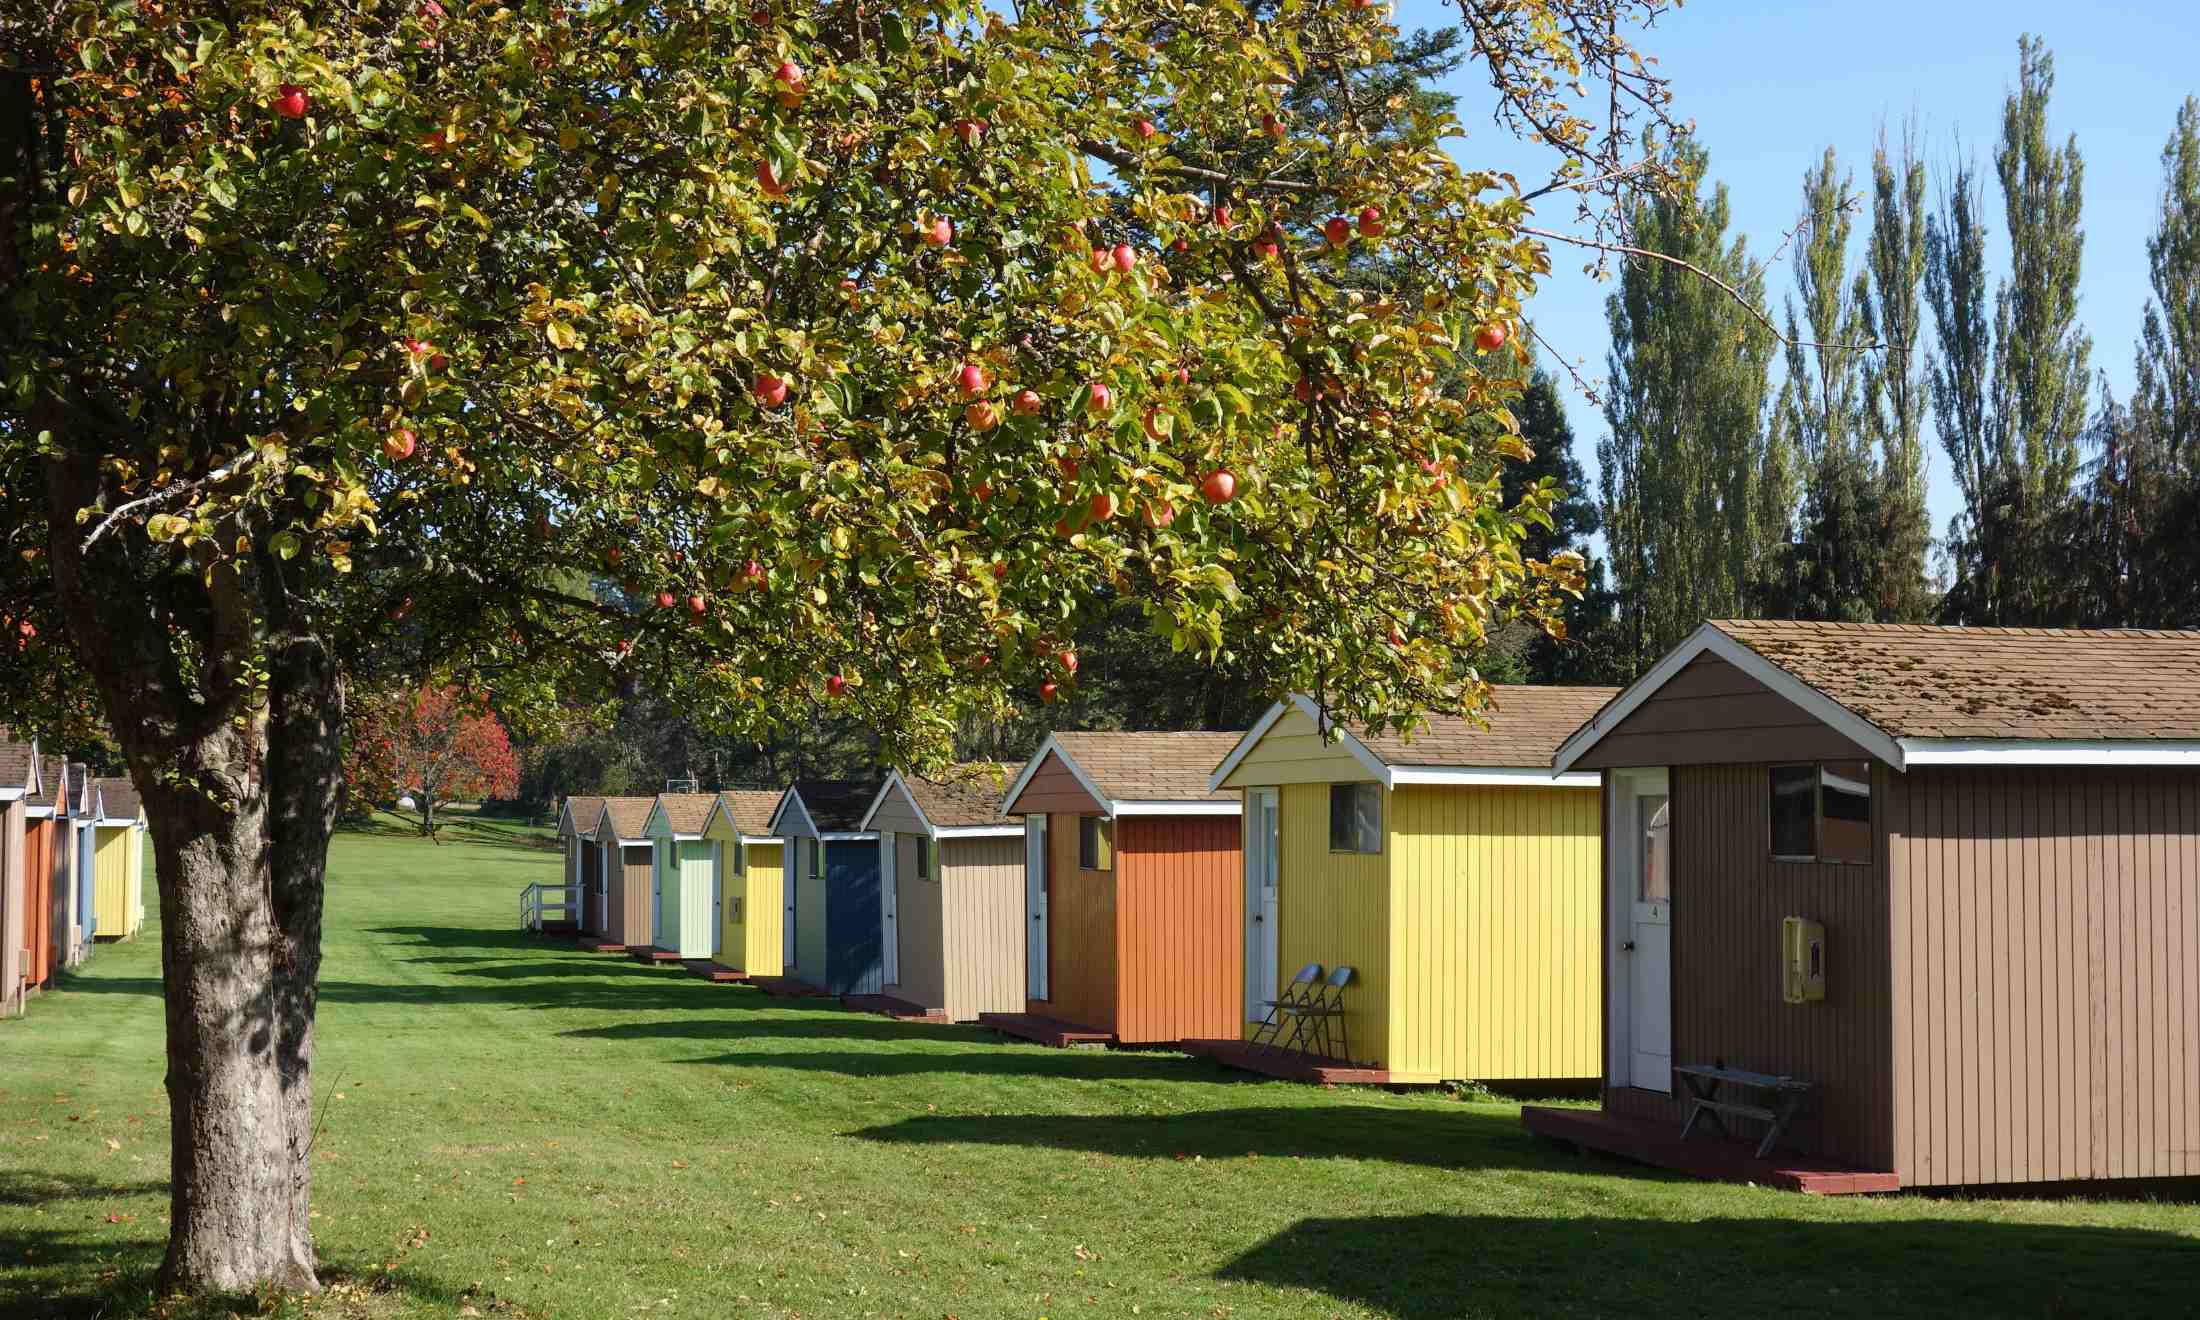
x,y
1696,492
1896,395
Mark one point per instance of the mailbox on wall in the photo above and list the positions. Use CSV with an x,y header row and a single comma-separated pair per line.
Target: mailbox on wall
x,y
1802,960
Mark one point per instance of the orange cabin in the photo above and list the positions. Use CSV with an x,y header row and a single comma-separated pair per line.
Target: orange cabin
x,y
1134,890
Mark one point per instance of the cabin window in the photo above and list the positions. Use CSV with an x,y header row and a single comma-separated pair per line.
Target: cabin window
x,y
1823,812
1356,818
1095,844
924,859
817,857
740,852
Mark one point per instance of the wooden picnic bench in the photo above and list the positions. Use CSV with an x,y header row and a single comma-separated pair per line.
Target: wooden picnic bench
x,y
1784,1097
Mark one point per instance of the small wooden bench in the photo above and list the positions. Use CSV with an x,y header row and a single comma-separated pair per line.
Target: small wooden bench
x,y
1785,1096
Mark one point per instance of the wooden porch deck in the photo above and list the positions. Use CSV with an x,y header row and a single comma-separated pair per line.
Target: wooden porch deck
x,y
1288,1065
786,987
1045,1030
1714,1158
716,973
598,944
901,1010
651,954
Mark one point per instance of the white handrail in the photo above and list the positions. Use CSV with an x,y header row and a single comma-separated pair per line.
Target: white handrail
x,y
535,900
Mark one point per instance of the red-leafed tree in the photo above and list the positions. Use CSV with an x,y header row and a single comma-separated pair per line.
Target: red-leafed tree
x,y
434,745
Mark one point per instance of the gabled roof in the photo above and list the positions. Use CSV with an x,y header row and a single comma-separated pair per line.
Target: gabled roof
x,y
683,814
581,814
1511,744
628,817
53,785
18,766
748,810
964,800
833,806
118,800
1913,694
1133,774
83,797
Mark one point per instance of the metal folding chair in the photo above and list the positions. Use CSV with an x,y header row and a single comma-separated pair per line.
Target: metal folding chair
x,y
1304,985
1314,1016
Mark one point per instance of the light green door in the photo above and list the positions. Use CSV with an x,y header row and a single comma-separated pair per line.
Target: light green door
x,y
698,899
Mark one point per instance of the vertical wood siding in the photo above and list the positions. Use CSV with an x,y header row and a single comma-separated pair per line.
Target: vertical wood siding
x,y
11,906
38,860
693,899
755,927
982,888
1292,752
118,889
854,934
2046,938
1052,788
920,925
809,913
895,813
1181,927
632,879
1713,713
1728,901
1334,909
1081,943
1494,918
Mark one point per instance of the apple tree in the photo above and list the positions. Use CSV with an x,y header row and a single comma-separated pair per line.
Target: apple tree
x,y
784,352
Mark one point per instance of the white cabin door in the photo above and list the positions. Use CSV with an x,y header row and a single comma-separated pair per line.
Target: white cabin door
x,y
1035,906
657,869
1650,942
603,888
889,926
1260,901
718,898
790,875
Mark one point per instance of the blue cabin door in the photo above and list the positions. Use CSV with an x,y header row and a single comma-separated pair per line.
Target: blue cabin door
x,y
854,959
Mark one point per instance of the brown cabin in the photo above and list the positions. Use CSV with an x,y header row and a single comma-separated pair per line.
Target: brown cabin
x,y
577,822
1991,838
19,793
1134,890
628,859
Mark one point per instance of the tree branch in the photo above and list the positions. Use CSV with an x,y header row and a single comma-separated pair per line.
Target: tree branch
x,y
217,476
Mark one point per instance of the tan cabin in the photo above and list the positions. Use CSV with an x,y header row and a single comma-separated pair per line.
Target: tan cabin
x,y
629,868
953,879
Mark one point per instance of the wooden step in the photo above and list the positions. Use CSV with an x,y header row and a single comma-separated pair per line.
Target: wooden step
x,y
901,1010
716,973
651,954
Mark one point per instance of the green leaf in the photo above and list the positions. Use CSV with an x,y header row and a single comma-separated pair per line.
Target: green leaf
x,y
896,31
285,543
701,275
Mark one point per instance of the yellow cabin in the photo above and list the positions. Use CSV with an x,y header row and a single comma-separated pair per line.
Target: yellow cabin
x,y
118,858
1452,872
752,919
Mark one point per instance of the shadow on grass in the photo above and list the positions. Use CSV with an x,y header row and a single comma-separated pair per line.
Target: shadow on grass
x,y
1452,1138
1028,1061
1418,1267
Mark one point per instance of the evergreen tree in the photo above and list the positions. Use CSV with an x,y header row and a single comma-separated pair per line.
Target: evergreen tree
x,y
1895,391
1957,370
1585,654
1697,494
2169,340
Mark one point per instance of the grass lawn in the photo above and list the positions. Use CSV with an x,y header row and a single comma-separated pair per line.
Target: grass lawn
x,y
515,1127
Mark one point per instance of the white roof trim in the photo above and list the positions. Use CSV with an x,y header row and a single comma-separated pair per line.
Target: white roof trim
x,y
11,794
1492,776
116,822
1246,744
1377,768
2106,752
38,813
1177,808
1707,639
762,838
977,831
1077,772
849,836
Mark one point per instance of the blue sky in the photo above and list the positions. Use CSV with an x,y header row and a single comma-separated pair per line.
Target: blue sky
x,y
1770,86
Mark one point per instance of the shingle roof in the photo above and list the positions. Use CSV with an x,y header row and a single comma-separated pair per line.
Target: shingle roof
x,y
963,795
750,809
836,806
1524,726
15,761
585,811
118,798
1151,767
2027,684
686,812
80,788
629,815
53,782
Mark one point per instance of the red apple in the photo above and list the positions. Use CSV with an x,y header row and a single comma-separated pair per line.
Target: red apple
x,y
1145,128
666,600
982,416
1183,375
1371,221
835,685
1067,466
1125,258
1027,403
1490,337
1219,486
1303,391
971,131
1103,507
1271,125
697,605
789,76
399,444
613,556
1159,514
291,101
983,491
1337,230
770,390
1000,570
417,347
1154,430
1180,246
751,575
971,378
1266,249
1068,659
438,363
767,178
1397,638
849,287
1222,217
1103,398
1049,690
625,646
940,232
1102,260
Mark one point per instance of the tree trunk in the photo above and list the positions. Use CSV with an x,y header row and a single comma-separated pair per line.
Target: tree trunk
x,y
240,778
427,814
